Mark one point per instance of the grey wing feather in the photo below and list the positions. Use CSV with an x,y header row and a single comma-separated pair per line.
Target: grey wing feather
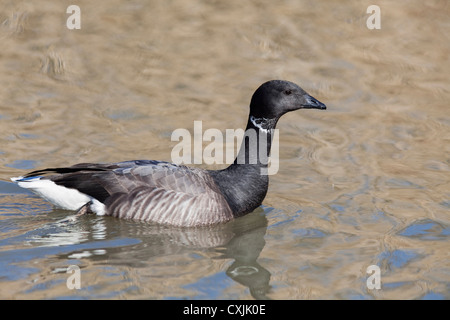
x,y
103,180
161,175
170,194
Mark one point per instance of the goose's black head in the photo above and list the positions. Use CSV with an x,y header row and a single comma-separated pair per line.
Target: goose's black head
x,y
276,97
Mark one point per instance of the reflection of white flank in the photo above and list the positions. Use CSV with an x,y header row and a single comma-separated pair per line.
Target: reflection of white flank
x,y
99,229
244,271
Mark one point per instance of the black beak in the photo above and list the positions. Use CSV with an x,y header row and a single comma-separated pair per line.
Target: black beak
x,y
313,103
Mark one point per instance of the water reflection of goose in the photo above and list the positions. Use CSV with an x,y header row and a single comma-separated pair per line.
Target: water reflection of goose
x,y
149,249
241,240
245,248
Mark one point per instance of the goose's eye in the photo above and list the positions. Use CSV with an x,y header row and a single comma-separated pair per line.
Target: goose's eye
x,y
287,92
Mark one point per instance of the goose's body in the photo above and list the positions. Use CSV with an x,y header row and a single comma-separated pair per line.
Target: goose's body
x,y
172,194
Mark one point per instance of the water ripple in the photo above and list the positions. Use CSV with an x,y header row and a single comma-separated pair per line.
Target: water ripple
x,y
426,229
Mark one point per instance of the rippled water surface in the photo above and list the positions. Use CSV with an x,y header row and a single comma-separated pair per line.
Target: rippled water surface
x,y
366,182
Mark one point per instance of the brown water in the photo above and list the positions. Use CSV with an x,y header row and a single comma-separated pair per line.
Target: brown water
x,y
366,182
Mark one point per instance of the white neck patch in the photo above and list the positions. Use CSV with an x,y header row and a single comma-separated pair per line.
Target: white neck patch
x,y
261,123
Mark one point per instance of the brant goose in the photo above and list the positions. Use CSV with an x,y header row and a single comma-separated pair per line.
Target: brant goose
x,y
166,193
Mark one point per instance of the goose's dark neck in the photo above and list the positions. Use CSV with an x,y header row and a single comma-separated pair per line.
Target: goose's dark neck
x,y
257,141
245,182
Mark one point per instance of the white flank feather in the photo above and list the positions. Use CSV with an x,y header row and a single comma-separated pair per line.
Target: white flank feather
x,y
62,197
